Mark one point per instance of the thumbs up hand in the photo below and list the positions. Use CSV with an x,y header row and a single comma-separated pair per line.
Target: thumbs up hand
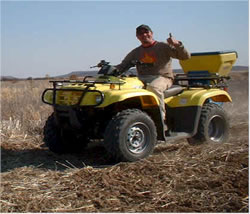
x,y
172,41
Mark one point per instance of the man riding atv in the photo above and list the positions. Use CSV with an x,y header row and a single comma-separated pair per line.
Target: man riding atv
x,y
128,118
155,69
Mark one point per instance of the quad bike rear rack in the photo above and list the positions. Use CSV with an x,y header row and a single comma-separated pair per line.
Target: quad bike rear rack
x,y
201,80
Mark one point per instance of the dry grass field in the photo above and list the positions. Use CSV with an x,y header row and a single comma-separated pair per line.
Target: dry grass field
x,y
177,177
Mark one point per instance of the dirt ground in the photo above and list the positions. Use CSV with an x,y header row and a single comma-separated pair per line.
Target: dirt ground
x,y
177,177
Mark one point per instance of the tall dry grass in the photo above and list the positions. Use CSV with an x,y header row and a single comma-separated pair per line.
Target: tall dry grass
x,y
22,111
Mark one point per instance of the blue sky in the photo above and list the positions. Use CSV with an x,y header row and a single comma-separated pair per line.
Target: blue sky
x,y
57,37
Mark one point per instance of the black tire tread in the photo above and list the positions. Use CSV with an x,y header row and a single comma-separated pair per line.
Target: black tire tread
x,y
54,141
51,138
114,128
200,137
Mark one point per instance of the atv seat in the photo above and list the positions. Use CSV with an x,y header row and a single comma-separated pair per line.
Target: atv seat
x,y
173,90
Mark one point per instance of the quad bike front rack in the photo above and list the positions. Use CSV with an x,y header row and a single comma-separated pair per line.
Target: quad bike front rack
x,y
87,83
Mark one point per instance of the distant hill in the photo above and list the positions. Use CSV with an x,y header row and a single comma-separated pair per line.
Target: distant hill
x,y
240,68
78,73
3,78
94,73
133,71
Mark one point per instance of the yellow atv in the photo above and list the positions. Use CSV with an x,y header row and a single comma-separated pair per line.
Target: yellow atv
x,y
122,113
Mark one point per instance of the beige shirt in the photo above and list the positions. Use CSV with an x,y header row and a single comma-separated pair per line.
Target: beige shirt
x,y
158,55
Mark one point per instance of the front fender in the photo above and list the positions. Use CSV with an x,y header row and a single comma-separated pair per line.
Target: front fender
x,y
114,96
197,97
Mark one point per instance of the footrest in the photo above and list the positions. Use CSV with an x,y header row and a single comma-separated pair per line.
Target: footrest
x,y
177,135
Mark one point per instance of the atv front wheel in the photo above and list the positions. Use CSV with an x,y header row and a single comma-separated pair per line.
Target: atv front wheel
x,y
60,140
213,125
130,135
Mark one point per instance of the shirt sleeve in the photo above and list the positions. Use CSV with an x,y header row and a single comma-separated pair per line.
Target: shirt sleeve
x,y
126,62
179,52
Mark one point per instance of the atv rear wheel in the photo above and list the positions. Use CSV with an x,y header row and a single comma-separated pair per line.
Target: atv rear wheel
x,y
60,140
130,135
213,126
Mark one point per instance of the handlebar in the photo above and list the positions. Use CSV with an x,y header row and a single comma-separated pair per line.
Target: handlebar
x,y
100,64
107,69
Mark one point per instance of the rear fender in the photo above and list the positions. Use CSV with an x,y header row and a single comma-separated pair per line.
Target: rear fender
x,y
188,105
197,97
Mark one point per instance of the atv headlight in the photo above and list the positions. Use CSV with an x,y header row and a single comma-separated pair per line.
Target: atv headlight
x,y
99,98
47,96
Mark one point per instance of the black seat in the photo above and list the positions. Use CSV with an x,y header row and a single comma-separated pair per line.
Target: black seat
x,y
173,90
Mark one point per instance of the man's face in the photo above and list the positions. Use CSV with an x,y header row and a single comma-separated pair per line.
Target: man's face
x,y
145,36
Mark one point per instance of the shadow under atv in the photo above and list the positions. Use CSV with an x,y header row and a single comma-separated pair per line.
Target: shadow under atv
x,y
94,155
